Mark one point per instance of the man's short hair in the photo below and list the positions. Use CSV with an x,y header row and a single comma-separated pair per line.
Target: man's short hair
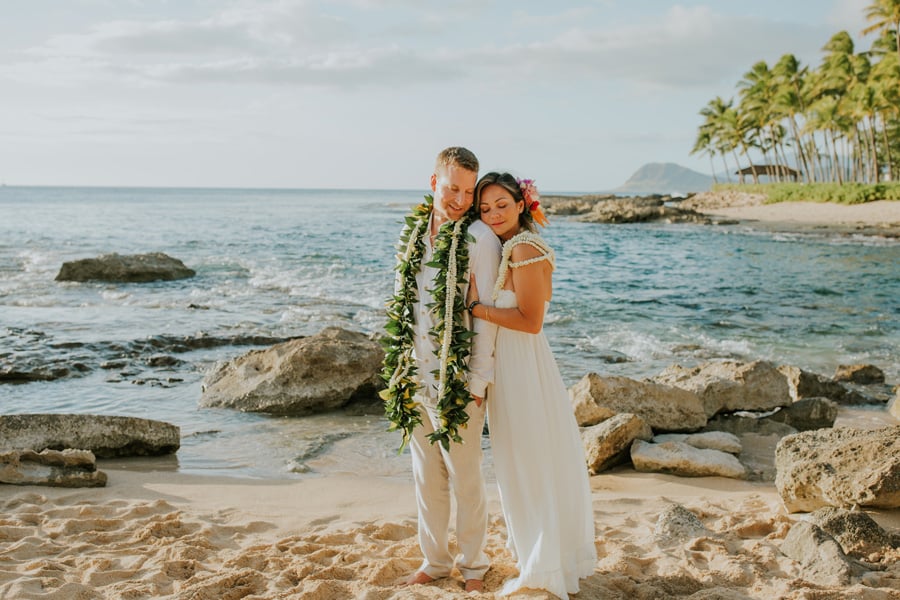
x,y
457,156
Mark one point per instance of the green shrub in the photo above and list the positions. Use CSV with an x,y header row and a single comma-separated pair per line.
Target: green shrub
x,y
848,193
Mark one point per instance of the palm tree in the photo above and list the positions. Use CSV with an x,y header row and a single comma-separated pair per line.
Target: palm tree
x,y
885,15
826,117
830,107
705,143
720,127
757,91
790,102
886,82
850,103
858,105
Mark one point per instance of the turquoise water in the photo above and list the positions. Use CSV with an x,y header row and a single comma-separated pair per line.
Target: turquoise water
x,y
629,300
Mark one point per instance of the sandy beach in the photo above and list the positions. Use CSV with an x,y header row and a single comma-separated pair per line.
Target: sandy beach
x,y
872,218
153,534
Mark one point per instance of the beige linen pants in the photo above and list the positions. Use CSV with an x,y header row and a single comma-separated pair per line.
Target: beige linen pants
x,y
437,473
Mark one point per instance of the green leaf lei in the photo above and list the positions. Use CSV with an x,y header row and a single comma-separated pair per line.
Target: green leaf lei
x,y
451,259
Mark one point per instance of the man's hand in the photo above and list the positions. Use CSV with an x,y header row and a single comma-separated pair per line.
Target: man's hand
x,y
478,400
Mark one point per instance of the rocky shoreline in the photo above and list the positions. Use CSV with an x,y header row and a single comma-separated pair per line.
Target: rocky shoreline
x,y
742,405
765,430
732,207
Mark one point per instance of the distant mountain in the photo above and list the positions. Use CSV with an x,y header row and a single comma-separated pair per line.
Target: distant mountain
x,y
665,178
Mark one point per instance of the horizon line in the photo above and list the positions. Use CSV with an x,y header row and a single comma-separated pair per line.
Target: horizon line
x,y
251,188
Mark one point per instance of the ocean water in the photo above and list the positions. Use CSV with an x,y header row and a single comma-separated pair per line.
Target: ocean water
x,y
628,300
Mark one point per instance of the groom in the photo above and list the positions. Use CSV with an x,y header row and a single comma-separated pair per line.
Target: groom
x,y
442,469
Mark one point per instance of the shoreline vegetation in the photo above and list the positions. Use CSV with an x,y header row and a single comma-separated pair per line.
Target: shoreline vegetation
x,y
836,122
847,193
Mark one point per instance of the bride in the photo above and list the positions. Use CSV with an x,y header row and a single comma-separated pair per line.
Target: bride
x,y
538,454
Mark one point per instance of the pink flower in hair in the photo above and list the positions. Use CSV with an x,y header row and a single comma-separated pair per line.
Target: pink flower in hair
x,y
529,190
531,195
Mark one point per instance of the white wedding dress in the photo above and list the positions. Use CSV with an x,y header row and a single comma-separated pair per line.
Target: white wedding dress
x,y
539,464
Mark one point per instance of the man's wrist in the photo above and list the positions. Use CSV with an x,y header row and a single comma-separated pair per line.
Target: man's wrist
x,y
472,306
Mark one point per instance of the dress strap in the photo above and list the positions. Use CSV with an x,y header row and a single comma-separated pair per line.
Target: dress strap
x,y
526,237
547,255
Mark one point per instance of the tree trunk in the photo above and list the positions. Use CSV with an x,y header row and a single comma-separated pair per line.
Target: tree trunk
x,y
738,163
856,156
802,165
784,160
887,146
873,147
835,161
819,162
727,172
750,162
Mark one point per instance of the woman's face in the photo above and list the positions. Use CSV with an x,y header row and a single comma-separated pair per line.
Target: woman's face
x,y
500,210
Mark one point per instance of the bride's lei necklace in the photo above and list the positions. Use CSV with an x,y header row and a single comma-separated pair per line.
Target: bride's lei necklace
x,y
525,237
451,258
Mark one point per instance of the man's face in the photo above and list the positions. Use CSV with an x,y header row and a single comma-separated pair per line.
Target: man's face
x,y
454,191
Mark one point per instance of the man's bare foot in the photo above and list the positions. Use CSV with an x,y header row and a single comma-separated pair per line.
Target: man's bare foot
x,y
474,585
419,577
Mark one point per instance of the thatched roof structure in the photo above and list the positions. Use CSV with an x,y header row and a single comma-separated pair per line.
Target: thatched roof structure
x,y
770,171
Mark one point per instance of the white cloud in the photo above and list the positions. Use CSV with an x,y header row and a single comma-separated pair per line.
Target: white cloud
x,y
259,29
233,93
291,42
347,70
686,46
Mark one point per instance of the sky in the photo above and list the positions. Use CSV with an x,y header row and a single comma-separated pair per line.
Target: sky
x,y
363,94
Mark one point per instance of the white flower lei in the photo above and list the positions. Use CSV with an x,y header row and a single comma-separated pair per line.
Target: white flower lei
x,y
525,237
399,365
450,283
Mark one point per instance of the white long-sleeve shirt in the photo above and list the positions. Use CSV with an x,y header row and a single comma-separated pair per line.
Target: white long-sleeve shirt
x,y
484,262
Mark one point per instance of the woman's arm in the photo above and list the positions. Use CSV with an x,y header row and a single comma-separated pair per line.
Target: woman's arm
x,y
532,284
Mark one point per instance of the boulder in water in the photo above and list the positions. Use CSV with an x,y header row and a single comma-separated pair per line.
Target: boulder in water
x,y
135,268
304,376
105,436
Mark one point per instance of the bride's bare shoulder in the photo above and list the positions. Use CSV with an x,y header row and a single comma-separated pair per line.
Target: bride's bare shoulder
x,y
524,251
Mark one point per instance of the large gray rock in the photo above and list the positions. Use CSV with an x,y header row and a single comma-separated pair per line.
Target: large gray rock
x,y
568,206
705,440
641,209
803,384
314,374
681,459
747,422
857,533
136,268
807,414
863,374
841,467
664,408
69,468
607,444
821,559
676,525
105,436
729,386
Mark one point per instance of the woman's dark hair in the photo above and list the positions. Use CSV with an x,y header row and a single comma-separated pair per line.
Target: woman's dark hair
x,y
511,185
